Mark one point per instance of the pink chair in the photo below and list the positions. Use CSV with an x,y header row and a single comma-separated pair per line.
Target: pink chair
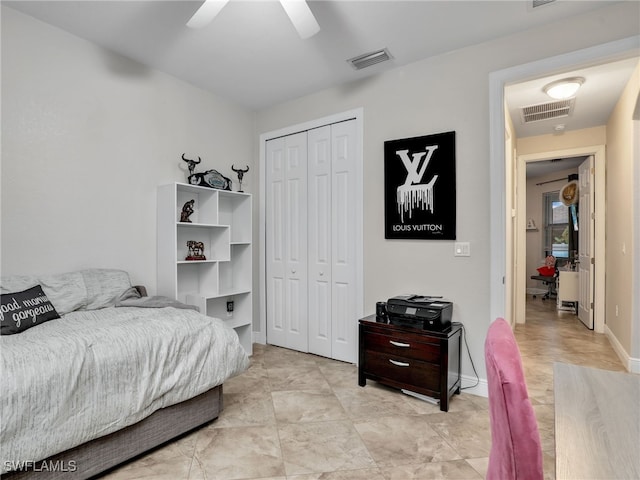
x,y
516,452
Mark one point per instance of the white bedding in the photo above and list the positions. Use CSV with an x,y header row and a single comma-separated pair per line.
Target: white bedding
x,y
91,373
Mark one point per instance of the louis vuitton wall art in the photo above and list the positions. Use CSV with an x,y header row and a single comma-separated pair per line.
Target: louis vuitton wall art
x,y
420,187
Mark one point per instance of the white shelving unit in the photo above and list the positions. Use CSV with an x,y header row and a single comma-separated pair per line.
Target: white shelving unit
x,y
222,221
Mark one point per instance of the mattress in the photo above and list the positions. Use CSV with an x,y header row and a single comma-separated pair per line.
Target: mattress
x,y
91,373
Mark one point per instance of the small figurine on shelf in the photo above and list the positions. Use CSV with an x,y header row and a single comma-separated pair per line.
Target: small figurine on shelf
x,y
196,250
187,210
210,178
240,173
192,166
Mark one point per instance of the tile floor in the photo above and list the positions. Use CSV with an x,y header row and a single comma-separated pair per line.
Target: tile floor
x,y
303,417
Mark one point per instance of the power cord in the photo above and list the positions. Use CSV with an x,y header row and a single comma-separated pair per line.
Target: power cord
x,y
464,336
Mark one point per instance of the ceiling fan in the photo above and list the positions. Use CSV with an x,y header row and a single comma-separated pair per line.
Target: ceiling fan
x,y
297,10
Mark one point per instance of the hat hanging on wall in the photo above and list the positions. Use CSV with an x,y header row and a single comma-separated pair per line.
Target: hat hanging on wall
x,y
569,193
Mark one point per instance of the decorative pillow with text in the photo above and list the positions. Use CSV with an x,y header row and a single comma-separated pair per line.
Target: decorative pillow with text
x,y
22,310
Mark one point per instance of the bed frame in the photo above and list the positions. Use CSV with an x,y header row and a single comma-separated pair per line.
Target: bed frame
x,y
101,454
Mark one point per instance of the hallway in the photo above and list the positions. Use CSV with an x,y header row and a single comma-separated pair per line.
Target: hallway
x,y
550,335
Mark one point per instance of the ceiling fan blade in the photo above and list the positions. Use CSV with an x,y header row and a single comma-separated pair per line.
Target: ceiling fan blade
x,y
206,13
302,17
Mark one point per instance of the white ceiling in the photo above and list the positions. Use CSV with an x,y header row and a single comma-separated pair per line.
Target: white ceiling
x,y
594,101
546,167
593,105
252,55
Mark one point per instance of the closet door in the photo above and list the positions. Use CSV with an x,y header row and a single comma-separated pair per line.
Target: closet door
x,y
312,234
320,240
286,244
344,298
332,236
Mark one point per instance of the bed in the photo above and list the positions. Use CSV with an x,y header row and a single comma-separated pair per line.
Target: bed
x,y
115,375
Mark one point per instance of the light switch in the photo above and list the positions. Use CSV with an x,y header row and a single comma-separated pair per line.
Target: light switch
x,y
462,249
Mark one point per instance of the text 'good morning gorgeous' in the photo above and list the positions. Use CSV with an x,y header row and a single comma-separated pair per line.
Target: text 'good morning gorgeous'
x,y
34,307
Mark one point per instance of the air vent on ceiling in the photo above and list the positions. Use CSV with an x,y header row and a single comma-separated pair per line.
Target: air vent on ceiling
x,y
368,59
539,3
546,111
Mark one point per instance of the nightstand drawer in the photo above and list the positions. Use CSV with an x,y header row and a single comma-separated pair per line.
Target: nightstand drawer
x,y
402,345
403,370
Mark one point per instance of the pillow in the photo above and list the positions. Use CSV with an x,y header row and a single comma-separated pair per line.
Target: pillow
x,y
66,291
15,283
22,310
104,286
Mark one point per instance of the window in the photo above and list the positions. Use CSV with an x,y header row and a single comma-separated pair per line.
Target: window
x,y
556,226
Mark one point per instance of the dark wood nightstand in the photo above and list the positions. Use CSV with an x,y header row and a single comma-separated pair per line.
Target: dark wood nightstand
x,y
422,361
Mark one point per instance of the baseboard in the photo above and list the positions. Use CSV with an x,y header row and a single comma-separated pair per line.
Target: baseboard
x,y
475,386
259,337
631,364
634,365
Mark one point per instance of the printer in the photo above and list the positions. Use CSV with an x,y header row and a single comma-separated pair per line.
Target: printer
x,y
424,312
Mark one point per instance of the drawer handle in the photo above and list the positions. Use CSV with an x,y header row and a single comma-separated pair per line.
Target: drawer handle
x,y
399,364
398,344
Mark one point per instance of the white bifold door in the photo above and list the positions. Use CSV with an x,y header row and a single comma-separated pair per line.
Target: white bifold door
x,y
311,241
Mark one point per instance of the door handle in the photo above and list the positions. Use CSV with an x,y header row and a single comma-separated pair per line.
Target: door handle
x,y
321,274
293,271
398,344
399,364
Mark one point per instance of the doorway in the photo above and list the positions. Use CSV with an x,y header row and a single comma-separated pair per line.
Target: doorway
x,y
501,208
564,228
520,268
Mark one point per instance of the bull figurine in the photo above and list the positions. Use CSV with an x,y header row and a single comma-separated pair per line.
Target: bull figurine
x,y
240,173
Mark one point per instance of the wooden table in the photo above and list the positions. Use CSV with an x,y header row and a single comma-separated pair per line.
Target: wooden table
x,y
597,422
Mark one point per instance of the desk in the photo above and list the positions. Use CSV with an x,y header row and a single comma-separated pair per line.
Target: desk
x,y
597,423
568,289
568,286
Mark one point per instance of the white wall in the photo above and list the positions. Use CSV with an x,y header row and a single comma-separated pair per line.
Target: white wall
x,y
621,245
87,136
439,94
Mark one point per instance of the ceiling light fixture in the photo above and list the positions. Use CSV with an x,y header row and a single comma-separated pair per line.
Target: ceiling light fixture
x,y
298,11
565,88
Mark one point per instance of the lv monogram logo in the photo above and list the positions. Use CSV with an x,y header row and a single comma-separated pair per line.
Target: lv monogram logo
x,y
414,194
415,167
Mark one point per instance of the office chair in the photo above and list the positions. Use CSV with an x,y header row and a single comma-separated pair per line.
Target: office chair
x,y
548,275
